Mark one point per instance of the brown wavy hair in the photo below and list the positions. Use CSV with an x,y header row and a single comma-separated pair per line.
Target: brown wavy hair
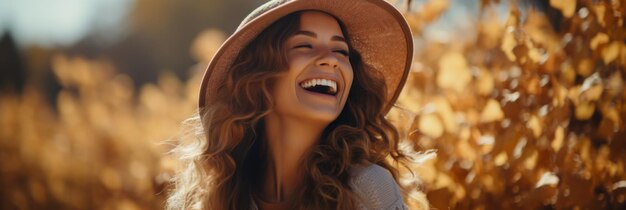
x,y
223,160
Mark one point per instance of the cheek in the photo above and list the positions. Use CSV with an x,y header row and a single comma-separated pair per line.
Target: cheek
x,y
297,61
349,78
282,87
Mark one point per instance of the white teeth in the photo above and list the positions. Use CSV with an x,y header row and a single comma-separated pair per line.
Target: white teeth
x,y
325,82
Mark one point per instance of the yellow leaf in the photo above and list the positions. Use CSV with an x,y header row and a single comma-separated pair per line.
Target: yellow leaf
x,y
557,142
500,159
472,116
615,84
492,112
585,67
443,108
531,161
600,38
430,126
600,10
568,74
453,72
611,113
484,83
560,94
610,52
593,93
465,151
573,94
567,7
508,43
584,111
535,125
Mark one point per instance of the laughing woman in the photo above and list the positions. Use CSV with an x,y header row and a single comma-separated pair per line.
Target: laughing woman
x,y
292,111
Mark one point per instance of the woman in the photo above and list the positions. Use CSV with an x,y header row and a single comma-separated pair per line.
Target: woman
x,y
293,107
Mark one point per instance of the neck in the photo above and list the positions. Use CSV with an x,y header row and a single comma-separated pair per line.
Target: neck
x,y
288,141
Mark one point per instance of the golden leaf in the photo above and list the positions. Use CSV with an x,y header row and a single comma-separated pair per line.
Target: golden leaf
x,y
585,67
500,159
592,94
472,116
568,74
535,125
447,115
600,38
492,112
484,83
532,85
537,27
560,94
567,7
557,142
610,112
534,53
600,9
453,72
573,94
509,43
465,151
584,110
430,126
610,52
531,160
615,84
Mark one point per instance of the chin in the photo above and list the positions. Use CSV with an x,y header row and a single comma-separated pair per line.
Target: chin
x,y
324,117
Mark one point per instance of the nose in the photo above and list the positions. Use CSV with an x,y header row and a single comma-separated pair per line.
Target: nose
x,y
328,59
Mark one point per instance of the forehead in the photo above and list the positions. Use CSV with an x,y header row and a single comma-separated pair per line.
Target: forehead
x,y
319,21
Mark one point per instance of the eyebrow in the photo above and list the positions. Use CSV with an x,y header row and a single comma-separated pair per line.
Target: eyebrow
x,y
313,34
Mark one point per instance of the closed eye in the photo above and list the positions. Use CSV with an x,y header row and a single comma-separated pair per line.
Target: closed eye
x,y
303,46
343,52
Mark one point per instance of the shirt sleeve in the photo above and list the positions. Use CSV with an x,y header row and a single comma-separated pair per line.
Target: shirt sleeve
x,y
375,188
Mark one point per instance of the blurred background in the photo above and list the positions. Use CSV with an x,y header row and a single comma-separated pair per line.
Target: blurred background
x,y
523,101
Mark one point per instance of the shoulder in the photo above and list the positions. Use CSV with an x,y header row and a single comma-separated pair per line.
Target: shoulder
x,y
375,188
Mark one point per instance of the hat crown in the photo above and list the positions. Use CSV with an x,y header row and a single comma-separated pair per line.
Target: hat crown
x,y
261,10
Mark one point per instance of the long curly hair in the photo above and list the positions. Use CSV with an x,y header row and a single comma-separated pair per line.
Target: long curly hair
x,y
223,161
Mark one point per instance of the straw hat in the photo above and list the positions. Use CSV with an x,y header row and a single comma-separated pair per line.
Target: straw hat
x,y
377,31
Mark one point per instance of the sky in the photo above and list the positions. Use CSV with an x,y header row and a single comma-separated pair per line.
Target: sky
x,y
58,23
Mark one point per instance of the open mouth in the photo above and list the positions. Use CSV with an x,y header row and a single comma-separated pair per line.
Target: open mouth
x,y
323,86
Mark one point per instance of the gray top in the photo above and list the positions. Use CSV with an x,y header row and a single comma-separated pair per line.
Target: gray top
x,y
375,189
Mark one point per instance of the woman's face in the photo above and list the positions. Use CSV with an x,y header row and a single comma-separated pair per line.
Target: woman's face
x,y
317,83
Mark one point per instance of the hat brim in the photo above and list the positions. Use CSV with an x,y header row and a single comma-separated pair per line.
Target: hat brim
x,y
377,31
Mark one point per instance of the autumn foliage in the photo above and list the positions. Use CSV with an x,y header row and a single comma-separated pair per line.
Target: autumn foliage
x,y
527,113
